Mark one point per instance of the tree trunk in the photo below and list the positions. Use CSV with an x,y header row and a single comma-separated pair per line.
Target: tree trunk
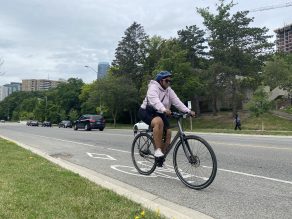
x,y
114,115
131,116
197,105
214,105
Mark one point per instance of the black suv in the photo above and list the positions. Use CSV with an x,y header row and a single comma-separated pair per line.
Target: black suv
x,y
90,121
65,124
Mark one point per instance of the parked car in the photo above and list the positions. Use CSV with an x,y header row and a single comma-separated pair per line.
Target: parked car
x,y
140,126
32,123
2,120
90,121
65,124
46,124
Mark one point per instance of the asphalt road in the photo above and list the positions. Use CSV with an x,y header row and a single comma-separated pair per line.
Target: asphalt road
x,y
254,179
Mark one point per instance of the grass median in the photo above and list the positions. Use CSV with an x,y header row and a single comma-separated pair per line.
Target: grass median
x,y
32,187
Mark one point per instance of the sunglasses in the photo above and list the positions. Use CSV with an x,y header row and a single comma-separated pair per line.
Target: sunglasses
x,y
167,80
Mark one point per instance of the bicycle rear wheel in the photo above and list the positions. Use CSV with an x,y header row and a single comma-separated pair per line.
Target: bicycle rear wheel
x,y
198,170
143,153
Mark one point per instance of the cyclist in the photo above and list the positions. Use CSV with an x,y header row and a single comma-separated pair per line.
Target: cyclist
x,y
155,109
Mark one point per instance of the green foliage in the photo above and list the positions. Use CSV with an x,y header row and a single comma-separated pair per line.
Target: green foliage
x,y
131,53
259,104
278,72
73,115
237,47
288,109
192,40
67,94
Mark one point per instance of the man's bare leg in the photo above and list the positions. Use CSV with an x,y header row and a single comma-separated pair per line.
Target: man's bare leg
x,y
167,140
157,125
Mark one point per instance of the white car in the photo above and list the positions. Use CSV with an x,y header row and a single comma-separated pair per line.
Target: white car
x,y
140,126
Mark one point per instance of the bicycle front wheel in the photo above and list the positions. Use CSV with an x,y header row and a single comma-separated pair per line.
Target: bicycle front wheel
x,y
195,163
143,153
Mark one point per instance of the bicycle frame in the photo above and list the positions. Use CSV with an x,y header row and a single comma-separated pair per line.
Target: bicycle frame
x,y
180,135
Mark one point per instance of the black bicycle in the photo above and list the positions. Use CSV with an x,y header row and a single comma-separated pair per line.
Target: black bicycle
x,y
194,160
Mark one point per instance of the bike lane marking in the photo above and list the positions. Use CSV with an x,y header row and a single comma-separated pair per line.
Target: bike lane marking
x,y
132,171
100,156
230,171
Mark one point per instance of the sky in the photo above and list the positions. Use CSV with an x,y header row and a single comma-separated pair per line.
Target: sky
x,y
55,39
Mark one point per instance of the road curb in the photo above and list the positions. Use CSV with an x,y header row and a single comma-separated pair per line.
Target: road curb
x,y
146,199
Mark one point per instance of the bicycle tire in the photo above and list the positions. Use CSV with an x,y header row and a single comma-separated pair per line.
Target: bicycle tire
x,y
199,171
143,153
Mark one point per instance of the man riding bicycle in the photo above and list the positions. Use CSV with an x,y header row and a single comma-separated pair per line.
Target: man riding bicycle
x,y
155,109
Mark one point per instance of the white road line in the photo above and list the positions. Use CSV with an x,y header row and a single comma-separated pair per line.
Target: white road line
x,y
256,176
74,142
112,149
248,145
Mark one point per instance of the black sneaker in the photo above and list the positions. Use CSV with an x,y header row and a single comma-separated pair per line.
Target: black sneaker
x,y
159,161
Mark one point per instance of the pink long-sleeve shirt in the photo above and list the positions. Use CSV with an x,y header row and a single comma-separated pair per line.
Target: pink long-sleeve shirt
x,y
155,96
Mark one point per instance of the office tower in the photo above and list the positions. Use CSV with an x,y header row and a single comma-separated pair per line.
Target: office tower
x,y
102,69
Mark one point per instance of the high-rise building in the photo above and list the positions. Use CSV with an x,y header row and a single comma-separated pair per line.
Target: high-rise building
x,y
284,38
102,69
38,85
8,89
3,92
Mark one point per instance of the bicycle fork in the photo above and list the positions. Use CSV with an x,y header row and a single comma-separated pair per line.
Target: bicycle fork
x,y
192,159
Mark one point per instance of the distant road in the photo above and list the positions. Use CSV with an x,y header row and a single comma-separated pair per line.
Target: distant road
x,y
254,178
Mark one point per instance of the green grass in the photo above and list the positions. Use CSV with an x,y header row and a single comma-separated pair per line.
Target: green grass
x,y
223,123
32,187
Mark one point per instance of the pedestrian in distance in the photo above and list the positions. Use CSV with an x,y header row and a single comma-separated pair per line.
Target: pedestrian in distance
x,y
237,122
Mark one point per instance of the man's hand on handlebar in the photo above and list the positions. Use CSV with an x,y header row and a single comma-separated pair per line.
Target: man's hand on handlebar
x,y
167,112
192,113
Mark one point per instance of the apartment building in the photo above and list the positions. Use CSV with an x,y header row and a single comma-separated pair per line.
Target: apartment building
x,y
284,38
38,84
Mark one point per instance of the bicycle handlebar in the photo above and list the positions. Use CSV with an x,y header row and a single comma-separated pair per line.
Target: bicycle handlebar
x,y
178,115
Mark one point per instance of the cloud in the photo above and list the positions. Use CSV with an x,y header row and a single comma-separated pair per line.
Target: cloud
x,y
57,38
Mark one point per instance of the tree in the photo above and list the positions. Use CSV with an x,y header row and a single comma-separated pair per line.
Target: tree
x,y
118,94
130,54
259,103
67,94
186,82
237,47
278,72
192,39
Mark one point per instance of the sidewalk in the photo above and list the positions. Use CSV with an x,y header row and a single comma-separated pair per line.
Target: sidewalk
x,y
282,114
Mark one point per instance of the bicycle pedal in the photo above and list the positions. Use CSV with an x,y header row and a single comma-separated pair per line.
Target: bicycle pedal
x,y
159,161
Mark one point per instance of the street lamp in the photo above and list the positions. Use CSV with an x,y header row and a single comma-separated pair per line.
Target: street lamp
x,y
87,66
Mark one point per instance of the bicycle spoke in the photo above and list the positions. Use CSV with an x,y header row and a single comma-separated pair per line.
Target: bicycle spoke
x,y
197,170
143,153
